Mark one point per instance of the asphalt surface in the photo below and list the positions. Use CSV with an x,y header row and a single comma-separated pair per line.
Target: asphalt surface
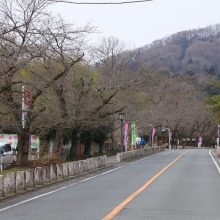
x,y
189,189
112,162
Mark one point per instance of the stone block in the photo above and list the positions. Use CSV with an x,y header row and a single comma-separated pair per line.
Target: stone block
x,y
30,178
21,180
71,168
46,174
65,170
92,161
89,165
60,171
102,161
10,182
119,159
124,156
99,162
132,153
128,154
53,172
80,166
2,186
85,165
76,167
38,176
105,160
96,166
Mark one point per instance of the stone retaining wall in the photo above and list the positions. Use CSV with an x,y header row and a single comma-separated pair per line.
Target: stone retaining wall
x,y
29,179
137,153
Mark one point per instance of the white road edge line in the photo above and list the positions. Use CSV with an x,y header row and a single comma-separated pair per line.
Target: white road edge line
x,y
139,160
45,194
214,161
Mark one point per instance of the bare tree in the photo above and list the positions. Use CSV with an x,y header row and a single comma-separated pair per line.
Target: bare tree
x,y
37,50
174,103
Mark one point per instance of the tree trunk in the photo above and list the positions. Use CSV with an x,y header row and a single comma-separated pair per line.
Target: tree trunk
x,y
101,146
22,149
58,143
88,144
74,150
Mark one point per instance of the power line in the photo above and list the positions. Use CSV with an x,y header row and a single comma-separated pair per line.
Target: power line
x,y
100,3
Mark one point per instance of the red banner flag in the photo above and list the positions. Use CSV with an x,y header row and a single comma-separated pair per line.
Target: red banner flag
x,y
27,97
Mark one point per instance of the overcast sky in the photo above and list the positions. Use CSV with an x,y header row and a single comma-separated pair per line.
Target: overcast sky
x,y
139,24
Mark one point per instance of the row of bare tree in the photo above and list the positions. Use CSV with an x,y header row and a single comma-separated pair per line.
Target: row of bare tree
x,y
46,55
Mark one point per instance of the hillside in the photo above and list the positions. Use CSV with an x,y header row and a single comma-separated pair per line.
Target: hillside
x,y
189,52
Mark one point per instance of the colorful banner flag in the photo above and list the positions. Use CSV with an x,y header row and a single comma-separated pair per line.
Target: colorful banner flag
x,y
125,134
171,133
153,133
34,147
133,133
26,99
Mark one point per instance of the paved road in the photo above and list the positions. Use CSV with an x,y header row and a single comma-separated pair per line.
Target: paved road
x,y
168,185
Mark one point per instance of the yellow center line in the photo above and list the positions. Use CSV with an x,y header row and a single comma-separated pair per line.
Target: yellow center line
x,y
131,197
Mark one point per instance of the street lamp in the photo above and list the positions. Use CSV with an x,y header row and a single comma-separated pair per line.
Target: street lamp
x,y
121,117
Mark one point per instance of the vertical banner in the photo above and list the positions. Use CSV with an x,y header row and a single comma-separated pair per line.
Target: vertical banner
x,y
133,133
26,98
218,136
200,141
34,147
153,133
125,134
171,133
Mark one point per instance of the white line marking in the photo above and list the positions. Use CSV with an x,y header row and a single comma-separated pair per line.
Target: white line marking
x,y
100,174
36,197
214,161
139,160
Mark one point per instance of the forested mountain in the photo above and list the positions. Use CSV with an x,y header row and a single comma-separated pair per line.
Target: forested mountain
x,y
189,52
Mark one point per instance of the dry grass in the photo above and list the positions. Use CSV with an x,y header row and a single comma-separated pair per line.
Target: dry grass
x,y
15,169
43,161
